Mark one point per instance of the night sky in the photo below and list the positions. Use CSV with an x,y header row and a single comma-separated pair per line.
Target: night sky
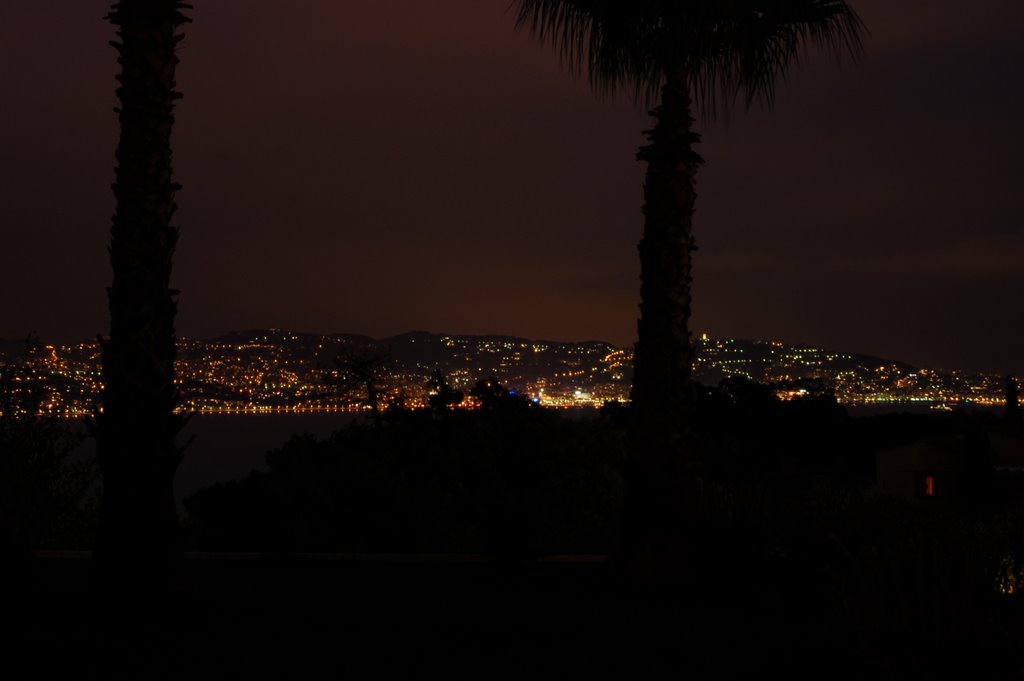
x,y
378,166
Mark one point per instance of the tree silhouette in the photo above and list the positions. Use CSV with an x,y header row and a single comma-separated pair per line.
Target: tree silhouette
x,y
136,428
364,369
495,397
696,54
44,492
441,396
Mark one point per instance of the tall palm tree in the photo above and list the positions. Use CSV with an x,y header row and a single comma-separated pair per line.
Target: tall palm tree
x,y
137,426
696,55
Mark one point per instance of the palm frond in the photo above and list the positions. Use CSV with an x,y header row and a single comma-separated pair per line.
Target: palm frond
x,y
603,40
726,48
767,37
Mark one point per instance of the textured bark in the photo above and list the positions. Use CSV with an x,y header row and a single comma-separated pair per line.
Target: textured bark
x,y
662,392
137,427
662,365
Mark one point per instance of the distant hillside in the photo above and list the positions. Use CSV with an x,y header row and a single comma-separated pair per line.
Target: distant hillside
x,y
11,348
272,369
769,361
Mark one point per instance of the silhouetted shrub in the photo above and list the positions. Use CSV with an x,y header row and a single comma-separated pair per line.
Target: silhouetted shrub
x,y
47,500
742,431
869,576
508,480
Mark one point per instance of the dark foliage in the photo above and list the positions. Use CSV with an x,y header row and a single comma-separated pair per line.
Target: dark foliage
x,y
744,432
869,579
494,397
442,396
506,480
47,499
364,370
782,522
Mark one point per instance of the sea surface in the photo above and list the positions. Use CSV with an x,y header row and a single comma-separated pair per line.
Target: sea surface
x,y
230,446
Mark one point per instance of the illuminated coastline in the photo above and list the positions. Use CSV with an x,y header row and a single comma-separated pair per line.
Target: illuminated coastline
x,y
278,372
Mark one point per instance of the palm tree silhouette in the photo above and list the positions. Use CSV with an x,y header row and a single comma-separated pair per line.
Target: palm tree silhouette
x,y
137,426
693,54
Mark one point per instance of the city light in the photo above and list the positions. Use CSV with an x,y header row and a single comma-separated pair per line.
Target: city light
x,y
280,372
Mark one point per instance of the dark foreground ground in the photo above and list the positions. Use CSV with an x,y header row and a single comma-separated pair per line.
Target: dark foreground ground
x,y
350,617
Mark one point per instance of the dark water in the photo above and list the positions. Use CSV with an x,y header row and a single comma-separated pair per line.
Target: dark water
x,y
229,446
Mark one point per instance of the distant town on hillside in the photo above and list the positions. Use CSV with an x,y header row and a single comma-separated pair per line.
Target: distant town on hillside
x,y
280,371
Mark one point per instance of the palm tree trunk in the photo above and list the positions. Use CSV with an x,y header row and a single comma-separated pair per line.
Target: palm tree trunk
x,y
662,393
137,427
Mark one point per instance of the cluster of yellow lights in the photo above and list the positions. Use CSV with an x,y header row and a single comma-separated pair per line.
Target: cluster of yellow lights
x,y
258,377
1010,579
